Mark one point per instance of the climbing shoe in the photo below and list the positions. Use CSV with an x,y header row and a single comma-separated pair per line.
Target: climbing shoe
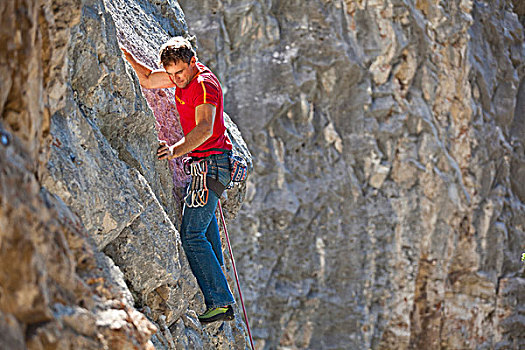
x,y
217,314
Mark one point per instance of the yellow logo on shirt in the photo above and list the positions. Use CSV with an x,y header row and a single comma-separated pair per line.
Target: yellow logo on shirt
x,y
179,100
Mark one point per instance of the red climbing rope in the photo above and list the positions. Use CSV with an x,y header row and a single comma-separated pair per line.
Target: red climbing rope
x,y
236,276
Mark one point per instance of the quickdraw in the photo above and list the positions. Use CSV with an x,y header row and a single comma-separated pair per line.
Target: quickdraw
x,y
197,194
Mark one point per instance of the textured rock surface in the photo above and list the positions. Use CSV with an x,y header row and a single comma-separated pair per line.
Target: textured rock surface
x,y
387,207
79,179
386,210
56,291
133,209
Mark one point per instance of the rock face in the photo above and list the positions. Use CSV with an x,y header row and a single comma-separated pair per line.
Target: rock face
x,y
387,206
90,255
56,291
385,209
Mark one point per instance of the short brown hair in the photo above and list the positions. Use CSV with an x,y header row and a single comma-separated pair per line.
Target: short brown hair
x,y
176,49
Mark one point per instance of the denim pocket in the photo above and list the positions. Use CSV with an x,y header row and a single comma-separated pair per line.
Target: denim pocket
x,y
219,168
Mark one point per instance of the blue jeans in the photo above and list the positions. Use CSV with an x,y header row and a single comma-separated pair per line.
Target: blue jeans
x,y
202,243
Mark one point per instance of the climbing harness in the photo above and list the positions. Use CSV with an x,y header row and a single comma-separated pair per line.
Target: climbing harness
x,y
197,194
235,273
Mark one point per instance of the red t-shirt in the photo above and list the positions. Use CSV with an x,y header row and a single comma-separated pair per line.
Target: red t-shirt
x,y
203,88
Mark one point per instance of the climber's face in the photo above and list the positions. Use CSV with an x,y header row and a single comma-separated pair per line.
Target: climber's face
x,y
181,72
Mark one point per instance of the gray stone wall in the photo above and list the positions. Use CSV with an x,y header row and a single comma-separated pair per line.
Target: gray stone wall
x,y
90,254
103,165
386,208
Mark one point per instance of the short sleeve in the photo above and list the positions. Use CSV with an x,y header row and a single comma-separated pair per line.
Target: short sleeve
x,y
205,92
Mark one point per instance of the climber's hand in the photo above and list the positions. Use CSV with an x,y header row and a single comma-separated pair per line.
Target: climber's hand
x,y
164,151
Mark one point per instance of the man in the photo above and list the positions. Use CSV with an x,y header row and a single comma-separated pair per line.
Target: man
x,y
199,102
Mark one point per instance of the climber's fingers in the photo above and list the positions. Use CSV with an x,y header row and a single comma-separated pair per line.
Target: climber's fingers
x,y
163,152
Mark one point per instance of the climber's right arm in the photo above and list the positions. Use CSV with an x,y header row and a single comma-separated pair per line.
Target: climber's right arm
x,y
148,78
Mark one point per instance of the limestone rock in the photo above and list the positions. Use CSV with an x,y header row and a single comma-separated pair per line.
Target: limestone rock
x,y
79,176
400,235
385,204
58,289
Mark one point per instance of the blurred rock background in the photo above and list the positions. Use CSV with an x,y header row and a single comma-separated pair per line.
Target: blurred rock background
x,y
385,209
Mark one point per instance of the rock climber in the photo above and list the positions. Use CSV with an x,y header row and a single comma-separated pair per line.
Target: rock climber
x,y
199,101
